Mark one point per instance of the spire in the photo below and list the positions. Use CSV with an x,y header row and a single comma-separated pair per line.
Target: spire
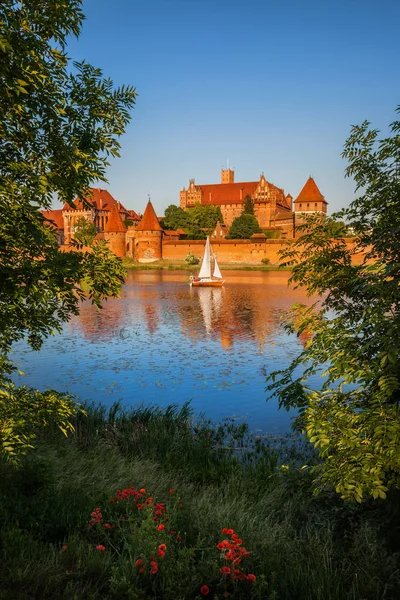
x,y
149,220
114,223
310,193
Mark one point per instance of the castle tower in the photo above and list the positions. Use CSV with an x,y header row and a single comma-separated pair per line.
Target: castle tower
x,y
115,231
310,200
148,237
227,175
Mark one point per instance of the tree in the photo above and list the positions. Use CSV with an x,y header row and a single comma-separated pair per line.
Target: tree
x,y
354,419
174,218
59,124
243,227
248,206
85,231
195,221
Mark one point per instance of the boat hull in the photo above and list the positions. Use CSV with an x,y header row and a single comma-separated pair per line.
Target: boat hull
x,y
216,283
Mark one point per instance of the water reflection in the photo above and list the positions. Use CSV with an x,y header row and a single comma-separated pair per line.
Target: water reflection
x,y
164,342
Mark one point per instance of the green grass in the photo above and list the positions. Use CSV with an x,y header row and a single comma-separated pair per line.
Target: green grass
x,y
160,265
302,547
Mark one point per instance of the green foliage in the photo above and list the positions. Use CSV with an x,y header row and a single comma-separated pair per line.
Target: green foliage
x,y
85,231
24,411
243,227
174,218
191,259
354,330
59,124
265,261
300,546
194,221
248,206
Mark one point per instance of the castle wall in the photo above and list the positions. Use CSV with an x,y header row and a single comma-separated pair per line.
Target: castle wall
x,y
235,251
147,246
116,243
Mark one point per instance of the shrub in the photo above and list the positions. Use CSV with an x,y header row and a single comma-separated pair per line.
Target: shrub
x,y
191,259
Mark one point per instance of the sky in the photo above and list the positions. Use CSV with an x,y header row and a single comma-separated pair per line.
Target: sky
x,y
270,86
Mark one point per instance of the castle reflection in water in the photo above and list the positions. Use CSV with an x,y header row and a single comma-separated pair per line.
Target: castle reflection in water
x,y
246,310
163,342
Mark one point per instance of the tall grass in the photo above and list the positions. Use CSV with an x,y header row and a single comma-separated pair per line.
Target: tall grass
x,y
302,546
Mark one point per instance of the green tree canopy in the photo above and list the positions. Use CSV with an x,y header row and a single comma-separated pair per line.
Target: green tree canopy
x,y
194,221
354,419
248,206
59,124
175,218
243,227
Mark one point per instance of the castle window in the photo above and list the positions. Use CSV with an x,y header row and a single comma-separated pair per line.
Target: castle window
x,y
315,205
308,205
301,205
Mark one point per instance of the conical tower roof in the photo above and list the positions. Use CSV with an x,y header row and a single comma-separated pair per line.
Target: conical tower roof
x,y
310,193
149,220
114,223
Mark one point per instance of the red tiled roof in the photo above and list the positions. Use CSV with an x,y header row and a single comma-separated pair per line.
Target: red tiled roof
x,y
100,199
310,193
55,216
227,193
282,215
133,216
149,220
114,223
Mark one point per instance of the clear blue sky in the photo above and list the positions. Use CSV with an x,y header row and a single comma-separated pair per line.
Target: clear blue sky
x,y
273,86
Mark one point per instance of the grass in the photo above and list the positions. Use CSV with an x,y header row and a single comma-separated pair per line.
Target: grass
x,y
303,547
160,265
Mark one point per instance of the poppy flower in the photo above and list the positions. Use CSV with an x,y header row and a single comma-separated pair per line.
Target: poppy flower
x,y
139,562
161,527
161,553
100,547
162,547
251,577
107,526
64,548
142,491
204,590
154,567
225,570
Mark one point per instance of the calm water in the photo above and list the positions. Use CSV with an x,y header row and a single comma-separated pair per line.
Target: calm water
x,y
164,342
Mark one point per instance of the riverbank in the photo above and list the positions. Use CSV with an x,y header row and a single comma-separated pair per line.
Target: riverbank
x,y
214,513
177,265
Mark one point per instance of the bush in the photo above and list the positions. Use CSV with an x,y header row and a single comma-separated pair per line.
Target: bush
x,y
265,261
191,259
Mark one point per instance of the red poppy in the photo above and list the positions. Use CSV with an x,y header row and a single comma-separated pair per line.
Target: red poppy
x,y
171,491
161,553
107,526
142,491
64,548
225,570
161,527
139,562
154,567
162,547
204,590
100,547
141,570
229,531
251,577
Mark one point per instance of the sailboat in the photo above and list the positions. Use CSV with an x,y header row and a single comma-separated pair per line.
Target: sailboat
x,y
209,275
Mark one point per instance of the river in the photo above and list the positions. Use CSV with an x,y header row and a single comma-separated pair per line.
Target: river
x,y
163,342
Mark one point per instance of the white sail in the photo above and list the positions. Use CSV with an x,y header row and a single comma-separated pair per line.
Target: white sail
x,y
205,270
217,272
